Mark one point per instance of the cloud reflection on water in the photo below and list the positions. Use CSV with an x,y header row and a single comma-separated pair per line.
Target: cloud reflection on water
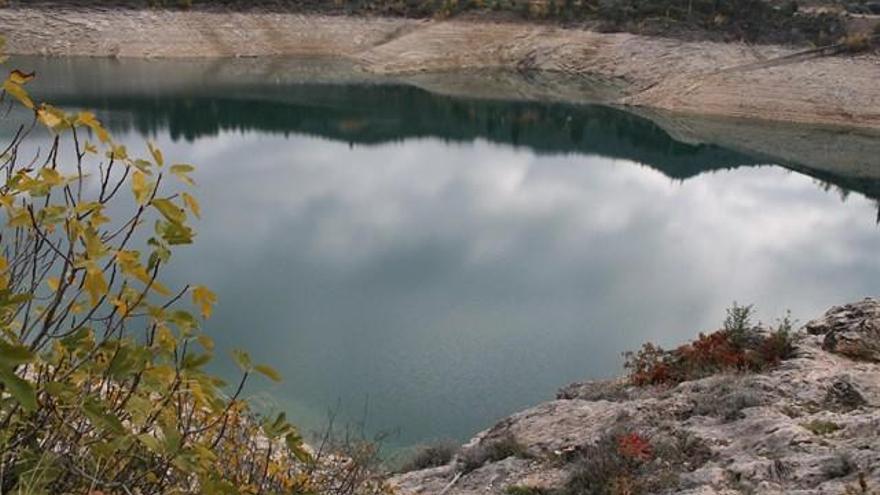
x,y
450,284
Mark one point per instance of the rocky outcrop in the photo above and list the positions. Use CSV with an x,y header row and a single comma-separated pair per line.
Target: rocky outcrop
x,y
811,425
852,330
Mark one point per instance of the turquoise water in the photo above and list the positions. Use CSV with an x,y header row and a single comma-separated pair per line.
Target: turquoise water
x,y
427,264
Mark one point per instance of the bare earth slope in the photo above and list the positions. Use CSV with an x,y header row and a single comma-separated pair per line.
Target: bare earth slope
x,y
652,72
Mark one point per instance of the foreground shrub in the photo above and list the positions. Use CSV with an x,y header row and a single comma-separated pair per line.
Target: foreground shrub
x,y
631,462
738,346
493,450
428,456
103,381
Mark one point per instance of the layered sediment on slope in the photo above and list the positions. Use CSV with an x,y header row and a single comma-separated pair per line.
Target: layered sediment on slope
x,y
710,78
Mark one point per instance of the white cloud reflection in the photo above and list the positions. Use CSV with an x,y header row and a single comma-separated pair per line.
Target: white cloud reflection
x,y
454,283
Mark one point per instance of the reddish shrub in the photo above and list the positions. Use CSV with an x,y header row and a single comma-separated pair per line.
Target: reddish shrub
x,y
743,348
634,446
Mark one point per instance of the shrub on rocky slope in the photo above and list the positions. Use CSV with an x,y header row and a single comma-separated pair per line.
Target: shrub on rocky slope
x,y
732,432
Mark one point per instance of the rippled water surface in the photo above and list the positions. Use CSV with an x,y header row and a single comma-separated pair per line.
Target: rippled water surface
x,y
431,263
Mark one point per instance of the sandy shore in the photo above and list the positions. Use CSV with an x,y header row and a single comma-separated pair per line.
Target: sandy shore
x,y
703,78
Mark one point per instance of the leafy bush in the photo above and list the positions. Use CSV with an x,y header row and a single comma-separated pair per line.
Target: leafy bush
x,y
102,368
602,469
428,456
738,346
727,406
623,462
492,450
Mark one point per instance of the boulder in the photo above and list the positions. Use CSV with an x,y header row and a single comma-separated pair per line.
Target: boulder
x,y
852,330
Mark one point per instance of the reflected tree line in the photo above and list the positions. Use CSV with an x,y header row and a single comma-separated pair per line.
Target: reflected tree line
x,y
366,114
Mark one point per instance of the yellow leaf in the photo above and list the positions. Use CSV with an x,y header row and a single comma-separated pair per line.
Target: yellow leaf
x,y
121,305
4,277
88,119
50,116
169,210
7,200
182,171
95,249
18,92
51,176
19,77
94,283
140,188
118,152
90,148
103,136
192,204
268,371
207,342
97,218
19,217
165,338
53,283
204,299
130,265
157,154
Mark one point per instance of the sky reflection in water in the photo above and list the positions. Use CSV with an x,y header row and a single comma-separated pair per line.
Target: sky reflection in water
x,y
449,284
440,279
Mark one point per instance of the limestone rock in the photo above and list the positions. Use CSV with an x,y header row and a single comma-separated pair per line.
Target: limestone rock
x,y
852,330
810,426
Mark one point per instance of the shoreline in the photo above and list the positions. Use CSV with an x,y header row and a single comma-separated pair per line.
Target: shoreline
x,y
699,78
805,426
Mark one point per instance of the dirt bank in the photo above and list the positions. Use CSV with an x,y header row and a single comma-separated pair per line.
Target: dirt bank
x,y
650,72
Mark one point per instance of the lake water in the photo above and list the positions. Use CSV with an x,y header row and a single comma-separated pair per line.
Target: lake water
x,y
429,263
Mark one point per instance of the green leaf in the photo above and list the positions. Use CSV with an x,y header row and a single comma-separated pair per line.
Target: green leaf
x,y
19,389
196,361
242,359
13,355
172,439
99,417
150,442
184,320
83,337
268,372
160,254
174,233
294,443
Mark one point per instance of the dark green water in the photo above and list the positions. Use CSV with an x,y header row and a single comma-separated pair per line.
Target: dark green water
x,y
431,264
